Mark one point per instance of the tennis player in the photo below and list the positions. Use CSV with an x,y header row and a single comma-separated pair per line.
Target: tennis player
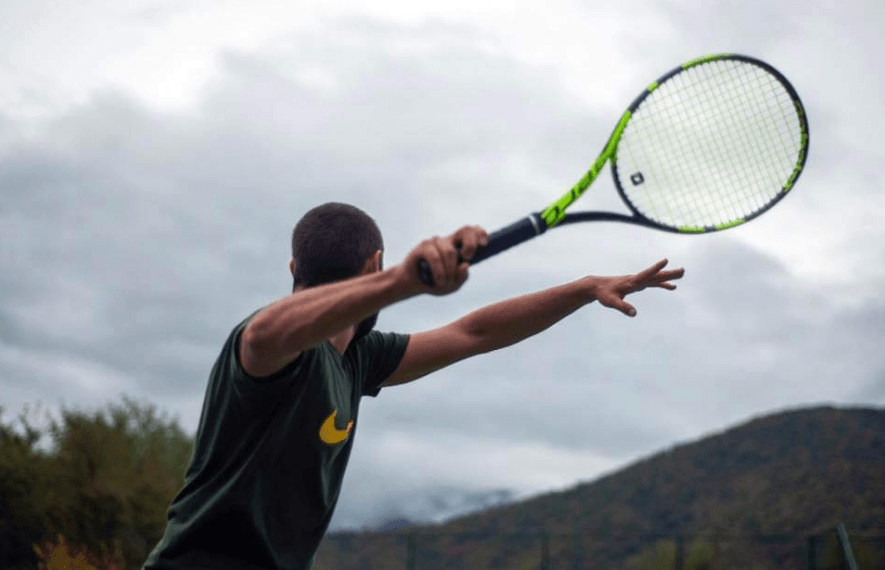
x,y
282,402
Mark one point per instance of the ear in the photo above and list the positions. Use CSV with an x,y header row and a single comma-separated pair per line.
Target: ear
x,y
292,266
373,264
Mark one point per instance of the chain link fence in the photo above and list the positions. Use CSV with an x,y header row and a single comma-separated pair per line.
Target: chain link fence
x,y
427,550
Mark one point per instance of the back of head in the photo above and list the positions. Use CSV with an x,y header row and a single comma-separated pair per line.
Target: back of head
x,y
332,242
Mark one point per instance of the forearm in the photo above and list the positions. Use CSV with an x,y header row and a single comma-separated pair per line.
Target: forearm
x,y
306,318
513,320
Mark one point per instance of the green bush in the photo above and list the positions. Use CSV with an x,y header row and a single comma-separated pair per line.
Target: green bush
x,y
104,482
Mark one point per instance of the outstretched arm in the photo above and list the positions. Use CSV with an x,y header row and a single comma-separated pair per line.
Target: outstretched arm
x,y
305,318
508,322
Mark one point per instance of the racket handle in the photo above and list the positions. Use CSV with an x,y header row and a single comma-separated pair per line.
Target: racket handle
x,y
505,238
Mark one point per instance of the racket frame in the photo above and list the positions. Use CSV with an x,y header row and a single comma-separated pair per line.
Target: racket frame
x,y
555,214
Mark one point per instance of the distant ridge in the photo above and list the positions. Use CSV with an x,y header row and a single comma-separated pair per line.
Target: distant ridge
x,y
394,524
785,475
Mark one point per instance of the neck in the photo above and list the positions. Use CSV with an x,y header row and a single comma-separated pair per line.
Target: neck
x,y
342,340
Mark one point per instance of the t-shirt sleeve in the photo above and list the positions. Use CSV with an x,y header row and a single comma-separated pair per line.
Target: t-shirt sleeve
x,y
378,355
247,386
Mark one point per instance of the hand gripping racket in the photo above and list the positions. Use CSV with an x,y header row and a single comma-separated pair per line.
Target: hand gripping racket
x,y
710,145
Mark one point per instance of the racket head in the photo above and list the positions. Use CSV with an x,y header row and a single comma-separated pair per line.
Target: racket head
x,y
711,145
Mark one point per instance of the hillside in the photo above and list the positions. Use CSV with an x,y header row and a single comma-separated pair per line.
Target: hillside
x,y
752,494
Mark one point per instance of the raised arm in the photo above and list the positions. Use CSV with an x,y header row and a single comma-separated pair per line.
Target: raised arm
x,y
508,322
305,318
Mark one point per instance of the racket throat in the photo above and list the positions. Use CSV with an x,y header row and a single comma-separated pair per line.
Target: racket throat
x,y
555,212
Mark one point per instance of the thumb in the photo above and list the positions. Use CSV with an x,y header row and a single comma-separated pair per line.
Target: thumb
x,y
463,268
628,309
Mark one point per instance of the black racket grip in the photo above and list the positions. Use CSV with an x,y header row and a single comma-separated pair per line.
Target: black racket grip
x,y
505,238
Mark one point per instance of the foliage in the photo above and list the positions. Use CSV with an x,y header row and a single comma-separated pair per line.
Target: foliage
x,y
21,468
59,555
868,552
661,555
97,496
104,483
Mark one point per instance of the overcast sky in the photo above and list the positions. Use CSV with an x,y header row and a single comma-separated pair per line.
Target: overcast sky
x,y
154,156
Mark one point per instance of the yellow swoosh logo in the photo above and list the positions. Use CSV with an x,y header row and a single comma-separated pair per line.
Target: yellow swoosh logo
x,y
332,435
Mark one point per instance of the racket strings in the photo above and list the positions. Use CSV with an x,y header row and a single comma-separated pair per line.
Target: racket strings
x,y
703,201
713,145
734,201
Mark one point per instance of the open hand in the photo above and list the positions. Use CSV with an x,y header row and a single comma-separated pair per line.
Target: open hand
x,y
610,291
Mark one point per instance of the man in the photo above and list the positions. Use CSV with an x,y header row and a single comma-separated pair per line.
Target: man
x,y
283,397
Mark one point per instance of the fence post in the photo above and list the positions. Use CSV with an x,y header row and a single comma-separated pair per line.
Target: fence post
x,y
715,562
545,551
679,563
578,551
411,552
847,552
812,552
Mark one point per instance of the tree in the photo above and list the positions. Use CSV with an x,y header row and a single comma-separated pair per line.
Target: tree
x,y
21,465
104,485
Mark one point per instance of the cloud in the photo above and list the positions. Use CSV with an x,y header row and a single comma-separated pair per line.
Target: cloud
x,y
134,239
732,27
137,238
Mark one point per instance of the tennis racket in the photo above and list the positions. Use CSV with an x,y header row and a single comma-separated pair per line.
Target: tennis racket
x,y
710,145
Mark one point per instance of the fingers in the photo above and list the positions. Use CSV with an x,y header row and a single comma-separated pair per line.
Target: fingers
x,y
628,309
645,274
431,254
672,274
469,239
608,297
445,264
653,276
461,275
610,291
449,255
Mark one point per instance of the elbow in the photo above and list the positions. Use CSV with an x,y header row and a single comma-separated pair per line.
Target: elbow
x,y
251,338
475,338
260,336
267,338
471,327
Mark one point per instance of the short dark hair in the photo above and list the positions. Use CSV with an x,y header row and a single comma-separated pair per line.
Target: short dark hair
x,y
332,242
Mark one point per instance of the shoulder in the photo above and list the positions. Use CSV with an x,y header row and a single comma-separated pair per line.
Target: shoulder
x,y
378,343
375,356
237,355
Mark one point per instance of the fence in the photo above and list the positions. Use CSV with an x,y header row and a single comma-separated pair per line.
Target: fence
x,y
427,550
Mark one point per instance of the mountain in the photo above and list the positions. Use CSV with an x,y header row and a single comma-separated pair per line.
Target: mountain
x,y
431,505
751,494
392,524
446,503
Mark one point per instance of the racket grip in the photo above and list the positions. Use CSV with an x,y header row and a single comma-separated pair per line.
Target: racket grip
x,y
503,239
425,274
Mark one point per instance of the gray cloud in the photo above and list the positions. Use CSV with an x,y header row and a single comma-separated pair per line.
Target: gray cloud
x,y
134,240
751,27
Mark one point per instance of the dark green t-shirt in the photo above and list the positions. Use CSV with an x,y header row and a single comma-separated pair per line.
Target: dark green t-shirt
x,y
269,457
